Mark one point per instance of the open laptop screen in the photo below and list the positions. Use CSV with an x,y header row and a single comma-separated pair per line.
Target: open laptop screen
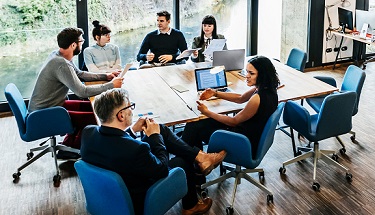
x,y
210,78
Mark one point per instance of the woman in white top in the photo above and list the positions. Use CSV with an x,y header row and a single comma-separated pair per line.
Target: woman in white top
x,y
103,56
208,33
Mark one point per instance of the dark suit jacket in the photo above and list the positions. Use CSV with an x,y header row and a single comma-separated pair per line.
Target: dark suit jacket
x,y
195,44
140,164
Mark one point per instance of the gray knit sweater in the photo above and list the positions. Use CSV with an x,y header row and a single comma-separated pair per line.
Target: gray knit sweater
x,y
57,76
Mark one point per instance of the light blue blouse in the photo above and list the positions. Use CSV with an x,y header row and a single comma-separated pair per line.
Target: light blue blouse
x,y
102,59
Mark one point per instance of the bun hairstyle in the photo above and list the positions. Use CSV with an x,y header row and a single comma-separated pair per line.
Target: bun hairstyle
x,y
99,29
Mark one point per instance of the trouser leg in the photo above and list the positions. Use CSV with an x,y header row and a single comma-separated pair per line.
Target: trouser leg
x,y
190,199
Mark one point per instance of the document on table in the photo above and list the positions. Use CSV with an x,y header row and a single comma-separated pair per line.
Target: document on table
x,y
187,53
215,45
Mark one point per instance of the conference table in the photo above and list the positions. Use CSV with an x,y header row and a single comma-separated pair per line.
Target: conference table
x,y
153,91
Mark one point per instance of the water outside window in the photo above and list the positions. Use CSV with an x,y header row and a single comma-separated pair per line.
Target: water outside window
x,y
29,28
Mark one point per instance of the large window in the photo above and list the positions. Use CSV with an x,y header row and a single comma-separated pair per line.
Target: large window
x,y
27,36
129,21
230,15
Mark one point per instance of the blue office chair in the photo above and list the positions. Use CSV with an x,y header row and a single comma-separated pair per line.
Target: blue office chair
x,y
297,59
39,124
354,79
106,192
334,118
239,152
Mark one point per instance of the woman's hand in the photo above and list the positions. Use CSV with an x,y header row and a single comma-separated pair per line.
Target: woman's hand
x,y
202,108
195,54
208,93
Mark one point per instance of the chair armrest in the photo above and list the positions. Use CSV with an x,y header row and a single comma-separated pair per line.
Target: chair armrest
x,y
328,80
48,122
166,192
236,145
298,118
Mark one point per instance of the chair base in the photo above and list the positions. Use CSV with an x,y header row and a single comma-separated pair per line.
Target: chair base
x,y
53,147
352,138
317,154
239,173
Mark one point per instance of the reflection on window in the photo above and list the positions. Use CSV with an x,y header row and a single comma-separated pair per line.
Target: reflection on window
x,y
27,36
129,21
230,15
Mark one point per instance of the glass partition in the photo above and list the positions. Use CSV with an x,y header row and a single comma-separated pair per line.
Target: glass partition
x,y
27,36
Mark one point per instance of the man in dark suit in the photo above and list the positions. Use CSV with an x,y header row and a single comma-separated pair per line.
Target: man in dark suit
x,y
114,146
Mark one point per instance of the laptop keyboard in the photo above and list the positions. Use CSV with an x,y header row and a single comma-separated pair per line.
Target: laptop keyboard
x,y
223,89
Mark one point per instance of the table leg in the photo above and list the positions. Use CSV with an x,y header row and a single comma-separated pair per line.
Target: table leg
x,y
338,52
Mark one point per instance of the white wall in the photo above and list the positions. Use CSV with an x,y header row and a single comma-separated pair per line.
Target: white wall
x,y
334,41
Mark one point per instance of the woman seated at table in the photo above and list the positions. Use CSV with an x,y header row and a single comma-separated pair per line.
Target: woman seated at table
x,y
103,56
208,33
261,98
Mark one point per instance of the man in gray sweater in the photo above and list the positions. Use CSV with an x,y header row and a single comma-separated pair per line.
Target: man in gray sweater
x,y
59,75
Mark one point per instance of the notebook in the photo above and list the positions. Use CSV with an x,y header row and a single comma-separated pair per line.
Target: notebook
x,y
213,78
231,59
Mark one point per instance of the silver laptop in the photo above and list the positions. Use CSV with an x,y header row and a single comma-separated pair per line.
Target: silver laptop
x,y
231,59
214,78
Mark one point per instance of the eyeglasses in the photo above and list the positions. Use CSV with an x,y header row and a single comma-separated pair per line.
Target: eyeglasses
x,y
131,106
81,41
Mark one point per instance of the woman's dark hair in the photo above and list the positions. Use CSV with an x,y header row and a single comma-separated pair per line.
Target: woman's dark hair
x,y
210,20
99,29
267,75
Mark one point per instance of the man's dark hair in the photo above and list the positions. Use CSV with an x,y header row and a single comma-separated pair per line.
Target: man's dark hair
x,y
99,29
68,36
164,13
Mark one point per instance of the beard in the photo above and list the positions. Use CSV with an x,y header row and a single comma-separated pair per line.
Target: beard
x,y
77,50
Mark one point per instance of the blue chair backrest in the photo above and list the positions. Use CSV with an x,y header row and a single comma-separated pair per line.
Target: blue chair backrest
x,y
297,59
268,133
354,79
335,116
105,190
241,154
17,105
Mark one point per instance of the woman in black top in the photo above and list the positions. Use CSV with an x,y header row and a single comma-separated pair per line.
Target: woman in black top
x,y
208,33
261,98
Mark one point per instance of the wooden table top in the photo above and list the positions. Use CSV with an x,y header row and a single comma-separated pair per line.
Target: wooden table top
x,y
152,91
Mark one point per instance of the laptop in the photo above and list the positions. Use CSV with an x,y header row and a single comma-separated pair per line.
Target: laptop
x,y
214,78
231,59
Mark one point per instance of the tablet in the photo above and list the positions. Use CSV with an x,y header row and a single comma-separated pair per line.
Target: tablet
x,y
127,67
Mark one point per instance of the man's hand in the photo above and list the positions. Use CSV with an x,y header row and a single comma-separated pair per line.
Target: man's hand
x,y
117,82
151,127
207,93
150,56
195,54
112,75
165,58
202,108
138,126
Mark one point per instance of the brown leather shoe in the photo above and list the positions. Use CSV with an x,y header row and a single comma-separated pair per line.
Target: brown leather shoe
x,y
210,161
201,207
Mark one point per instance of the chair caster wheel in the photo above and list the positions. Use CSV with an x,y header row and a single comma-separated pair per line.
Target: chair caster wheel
x,y
204,193
282,170
229,210
299,152
349,177
352,138
342,151
269,199
316,186
16,177
56,180
29,155
335,157
261,174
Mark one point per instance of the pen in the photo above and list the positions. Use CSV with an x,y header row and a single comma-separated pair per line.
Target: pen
x,y
189,107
